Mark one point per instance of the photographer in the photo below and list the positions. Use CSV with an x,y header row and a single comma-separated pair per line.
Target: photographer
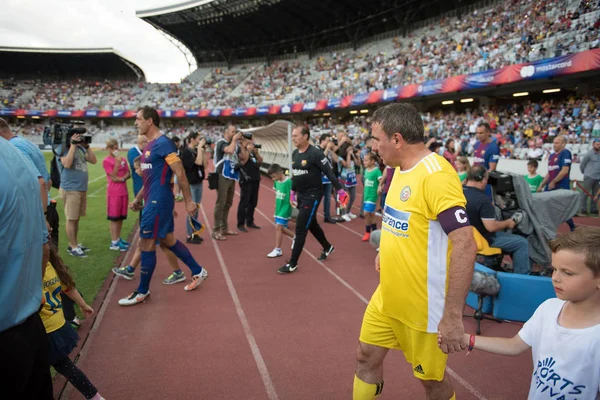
x,y
250,161
225,160
73,187
193,157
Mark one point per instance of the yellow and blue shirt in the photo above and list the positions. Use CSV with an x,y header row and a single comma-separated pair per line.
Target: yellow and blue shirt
x,y
52,310
414,250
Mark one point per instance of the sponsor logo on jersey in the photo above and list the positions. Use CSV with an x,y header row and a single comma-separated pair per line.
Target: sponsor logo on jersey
x,y
395,221
145,166
299,172
405,193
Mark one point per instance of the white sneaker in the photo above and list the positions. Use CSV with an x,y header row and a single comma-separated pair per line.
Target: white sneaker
x,y
275,253
134,298
196,280
352,216
346,218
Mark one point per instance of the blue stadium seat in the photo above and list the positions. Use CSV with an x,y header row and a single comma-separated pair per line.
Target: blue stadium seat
x,y
520,295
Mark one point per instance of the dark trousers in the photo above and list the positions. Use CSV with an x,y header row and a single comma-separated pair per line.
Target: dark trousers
x,y
24,367
248,202
53,219
307,221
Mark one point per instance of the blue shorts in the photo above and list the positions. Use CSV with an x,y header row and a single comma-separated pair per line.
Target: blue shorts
x,y
369,207
281,221
156,223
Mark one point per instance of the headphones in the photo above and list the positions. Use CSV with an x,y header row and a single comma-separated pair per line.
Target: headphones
x,y
477,174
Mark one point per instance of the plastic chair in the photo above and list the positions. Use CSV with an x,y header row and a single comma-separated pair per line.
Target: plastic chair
x,y
492,256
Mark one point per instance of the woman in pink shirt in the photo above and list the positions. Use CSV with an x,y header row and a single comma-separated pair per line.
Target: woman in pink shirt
x,y
117,196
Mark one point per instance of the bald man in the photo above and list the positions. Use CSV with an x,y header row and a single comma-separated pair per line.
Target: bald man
x,y
559,169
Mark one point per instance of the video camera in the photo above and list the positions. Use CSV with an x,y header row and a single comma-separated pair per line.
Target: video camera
x,y
61,134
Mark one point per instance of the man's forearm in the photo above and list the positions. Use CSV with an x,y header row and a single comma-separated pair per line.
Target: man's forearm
x,y
139,196
462,262
560,176
44,194
90,156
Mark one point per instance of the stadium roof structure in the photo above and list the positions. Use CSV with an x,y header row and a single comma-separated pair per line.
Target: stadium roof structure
x,y
57,64
231,30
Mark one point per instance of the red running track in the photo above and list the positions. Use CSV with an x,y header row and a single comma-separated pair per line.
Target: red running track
x,y
250,333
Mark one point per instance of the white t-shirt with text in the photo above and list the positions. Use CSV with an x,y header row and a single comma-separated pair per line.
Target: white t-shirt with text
x,y
566,362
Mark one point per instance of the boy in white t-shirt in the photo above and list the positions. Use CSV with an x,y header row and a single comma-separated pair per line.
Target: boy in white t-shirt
x,y
564,332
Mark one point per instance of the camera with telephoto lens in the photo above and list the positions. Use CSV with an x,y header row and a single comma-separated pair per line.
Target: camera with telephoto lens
x,y
61,134
257,146
247,135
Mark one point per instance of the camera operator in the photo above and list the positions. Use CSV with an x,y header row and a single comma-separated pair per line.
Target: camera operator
x,y
193,157
73,187
250,162
482,215
225,159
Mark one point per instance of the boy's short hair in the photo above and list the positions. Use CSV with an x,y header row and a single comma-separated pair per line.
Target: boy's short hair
x,y
584,240
532,163
137,160
274,169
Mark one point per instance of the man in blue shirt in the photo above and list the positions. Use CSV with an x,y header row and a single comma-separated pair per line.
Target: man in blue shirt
x,y
36,159
559,169
24,368
132,154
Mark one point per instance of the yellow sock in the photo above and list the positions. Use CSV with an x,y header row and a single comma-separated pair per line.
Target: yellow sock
x,y
366,391
453,396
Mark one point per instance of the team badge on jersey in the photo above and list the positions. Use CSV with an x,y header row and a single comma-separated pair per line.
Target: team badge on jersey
x,y
147,154
303,163
405,193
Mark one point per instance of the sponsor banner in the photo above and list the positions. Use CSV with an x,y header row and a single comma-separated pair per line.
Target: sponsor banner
x,y
262,110
275,110
334,103
310,106
321,105
543,69
359,99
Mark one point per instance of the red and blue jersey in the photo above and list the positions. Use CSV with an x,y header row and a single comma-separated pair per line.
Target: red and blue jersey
x,y
486,153
556,162
156,173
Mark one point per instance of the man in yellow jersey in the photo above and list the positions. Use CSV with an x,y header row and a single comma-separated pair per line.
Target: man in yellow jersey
x,y
426,258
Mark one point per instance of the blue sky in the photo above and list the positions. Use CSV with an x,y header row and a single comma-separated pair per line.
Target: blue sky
x,y
94,23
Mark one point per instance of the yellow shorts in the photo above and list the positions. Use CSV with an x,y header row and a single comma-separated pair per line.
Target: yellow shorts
x,y
75,204
420,348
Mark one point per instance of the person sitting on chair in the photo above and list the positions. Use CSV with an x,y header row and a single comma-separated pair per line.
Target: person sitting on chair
x,y
482,215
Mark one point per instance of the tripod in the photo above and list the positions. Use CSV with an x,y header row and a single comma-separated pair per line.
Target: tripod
x,y
478,314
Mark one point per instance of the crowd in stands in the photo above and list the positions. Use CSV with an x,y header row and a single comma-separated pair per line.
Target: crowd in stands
x,y
507,33
523,130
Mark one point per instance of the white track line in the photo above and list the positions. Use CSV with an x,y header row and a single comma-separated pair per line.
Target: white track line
x,y
92,181
260,362
66,393
457,377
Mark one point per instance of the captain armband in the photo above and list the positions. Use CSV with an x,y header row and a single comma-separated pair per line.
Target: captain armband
x,y
453,219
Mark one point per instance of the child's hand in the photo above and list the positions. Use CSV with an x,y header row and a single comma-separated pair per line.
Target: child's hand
x,y
87,311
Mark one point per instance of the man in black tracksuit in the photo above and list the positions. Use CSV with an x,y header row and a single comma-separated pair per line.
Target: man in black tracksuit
x,y
308,162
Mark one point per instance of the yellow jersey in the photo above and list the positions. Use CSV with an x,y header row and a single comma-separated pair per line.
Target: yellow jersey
x,y
414,250
51,312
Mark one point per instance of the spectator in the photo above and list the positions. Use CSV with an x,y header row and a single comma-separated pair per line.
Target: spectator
x,y
226,164
482,216
193,157
532,178
250,162
450,152
132,154
117,197
36,159
327,146
559,169
24,370
73,188
463,166
590,168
